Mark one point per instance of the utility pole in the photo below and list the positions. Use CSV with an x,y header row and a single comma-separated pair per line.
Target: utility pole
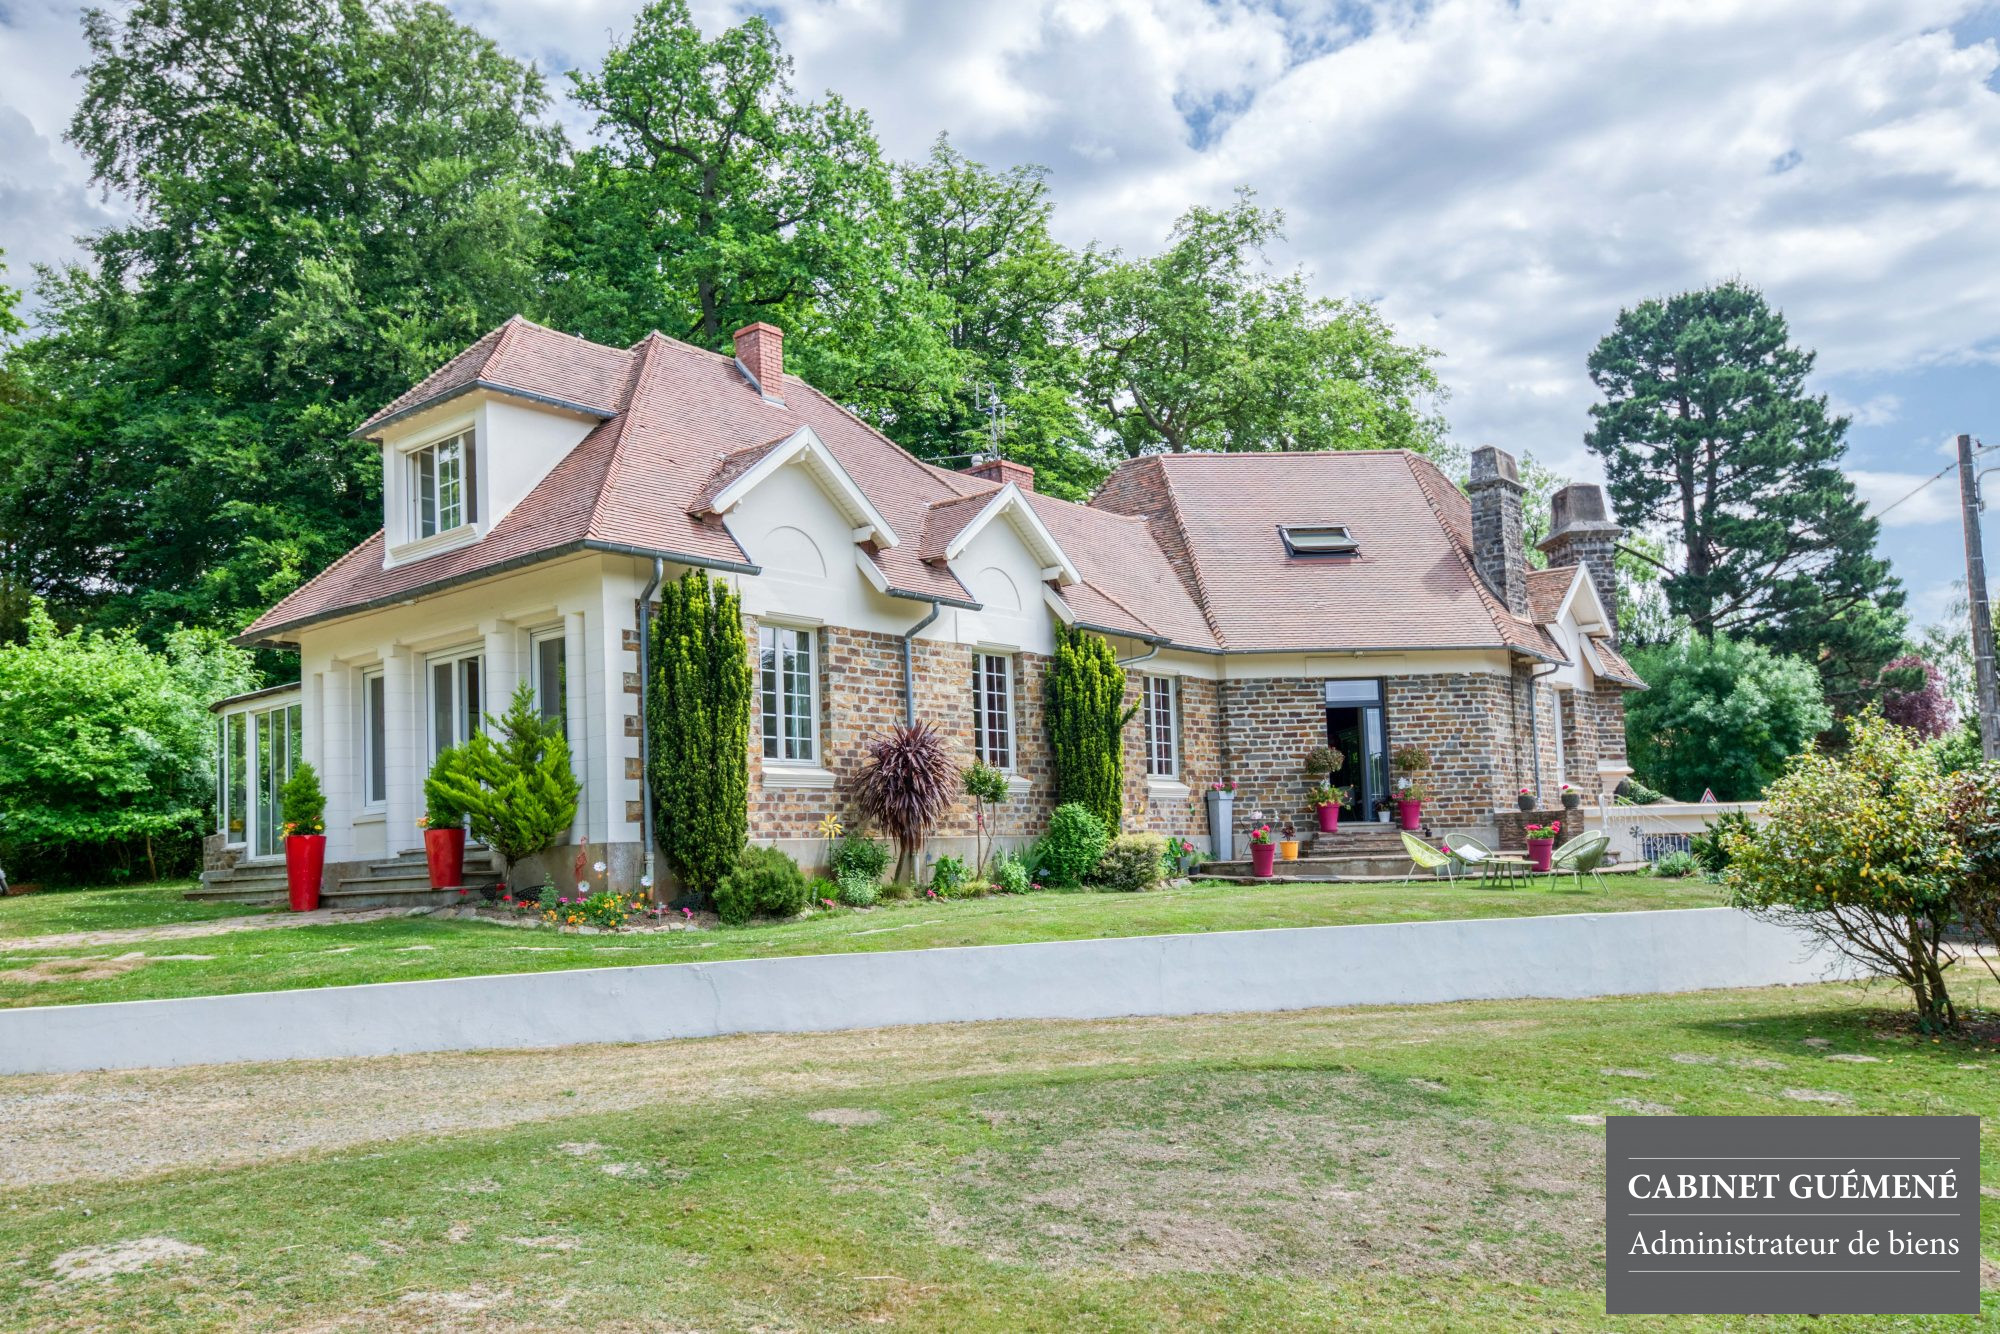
x,y
1975,592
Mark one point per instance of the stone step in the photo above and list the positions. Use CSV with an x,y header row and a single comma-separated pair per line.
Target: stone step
x,y
1317,868
417,864
388,894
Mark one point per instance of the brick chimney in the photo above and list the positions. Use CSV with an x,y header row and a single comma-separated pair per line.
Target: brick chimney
x,y
1498,551
1004,471
760,348
1581,532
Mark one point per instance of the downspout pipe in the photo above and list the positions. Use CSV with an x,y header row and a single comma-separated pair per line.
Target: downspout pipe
x,y
1147,656
646,718
909,670
1535,722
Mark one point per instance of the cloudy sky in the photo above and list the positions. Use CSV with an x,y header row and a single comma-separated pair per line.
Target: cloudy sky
x,y
1501,178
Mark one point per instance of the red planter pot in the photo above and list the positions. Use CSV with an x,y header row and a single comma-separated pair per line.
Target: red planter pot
x,y
1539,852
1263,856
1329,819
305,862
1411,813
444,849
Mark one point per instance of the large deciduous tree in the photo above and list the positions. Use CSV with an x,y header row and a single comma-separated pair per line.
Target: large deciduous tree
x,y
1709,436
329,199
1721,714
1203,346
978,240
718,197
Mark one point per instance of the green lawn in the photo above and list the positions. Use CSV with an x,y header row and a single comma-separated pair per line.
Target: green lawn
x,y
108,908
401,949
1429,1168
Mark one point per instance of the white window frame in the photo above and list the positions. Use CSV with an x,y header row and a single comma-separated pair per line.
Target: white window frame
x,y
373,718
467,513
981,659
536,642
462,727
775,739
1169,686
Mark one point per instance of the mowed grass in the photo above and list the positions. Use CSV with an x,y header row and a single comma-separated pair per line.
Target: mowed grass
x,y
403,949
109,908
1418,1168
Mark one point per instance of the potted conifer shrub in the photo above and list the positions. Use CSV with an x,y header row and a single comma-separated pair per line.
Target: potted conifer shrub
x,y
305,837
1263,852
443,821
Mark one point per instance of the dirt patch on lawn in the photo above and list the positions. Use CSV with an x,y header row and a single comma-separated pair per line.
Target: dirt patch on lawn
x,y
89,1263
1306,1174
95,968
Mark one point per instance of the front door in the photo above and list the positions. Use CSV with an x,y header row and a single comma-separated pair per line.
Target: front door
x,y
1355,728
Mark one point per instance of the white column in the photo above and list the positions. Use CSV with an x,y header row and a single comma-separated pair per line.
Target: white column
x,y
332,743
503,664
403,749
576,708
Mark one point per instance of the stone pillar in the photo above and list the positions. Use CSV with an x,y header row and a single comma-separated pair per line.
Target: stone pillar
x,y
1581,533
1498,550
503,664
576,708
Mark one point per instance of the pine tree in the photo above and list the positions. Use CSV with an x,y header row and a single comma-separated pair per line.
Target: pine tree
x,y
513,781
698,726
1084,703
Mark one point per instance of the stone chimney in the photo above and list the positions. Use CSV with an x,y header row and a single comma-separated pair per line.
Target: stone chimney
x,y
1581,532
1498,550
1004,471
760,350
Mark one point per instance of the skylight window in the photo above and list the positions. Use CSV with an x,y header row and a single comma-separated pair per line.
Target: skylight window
x,y
1323,539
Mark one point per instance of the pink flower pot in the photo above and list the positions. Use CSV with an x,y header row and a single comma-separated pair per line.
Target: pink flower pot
x,y
1411,813
1329,819
305,862
1263,856
1539,852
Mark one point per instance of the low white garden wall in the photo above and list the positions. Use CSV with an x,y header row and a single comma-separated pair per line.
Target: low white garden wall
x,y
1218,972
1638,833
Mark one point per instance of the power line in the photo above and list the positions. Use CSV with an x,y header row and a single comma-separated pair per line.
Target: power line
x,y
1983,449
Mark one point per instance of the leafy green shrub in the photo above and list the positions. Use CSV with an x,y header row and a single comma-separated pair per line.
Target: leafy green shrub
x,y
857,890
765,883
1073,845
1711,846
949,876
109,747
820,892
1632,792
1132,862
860,856
1009,874
1083,705
1861,851
304,803
515,786
698,727
1676,864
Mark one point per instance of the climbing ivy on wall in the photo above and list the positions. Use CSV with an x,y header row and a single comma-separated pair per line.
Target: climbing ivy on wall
x,y
698,728
1083,699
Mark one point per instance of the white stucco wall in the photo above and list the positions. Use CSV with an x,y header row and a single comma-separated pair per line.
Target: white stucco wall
x,y
1218,973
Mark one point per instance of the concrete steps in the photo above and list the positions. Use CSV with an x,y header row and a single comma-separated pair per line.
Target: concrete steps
x,y
400,881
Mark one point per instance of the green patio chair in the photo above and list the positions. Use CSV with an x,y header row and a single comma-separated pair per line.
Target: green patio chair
x,y
1469,851
1583,853
1429,858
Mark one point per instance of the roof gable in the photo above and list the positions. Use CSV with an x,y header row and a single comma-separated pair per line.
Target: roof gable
x,y
744,471
950,526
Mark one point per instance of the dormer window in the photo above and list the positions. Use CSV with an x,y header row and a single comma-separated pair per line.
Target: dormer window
x,y
1326,539
441,486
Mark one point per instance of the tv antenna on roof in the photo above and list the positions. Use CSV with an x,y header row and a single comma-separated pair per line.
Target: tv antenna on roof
x,y
996,418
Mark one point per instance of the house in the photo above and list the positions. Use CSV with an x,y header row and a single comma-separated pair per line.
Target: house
x,y
536,486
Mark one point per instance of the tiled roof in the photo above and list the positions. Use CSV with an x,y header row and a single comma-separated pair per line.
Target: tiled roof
x,y
527,359
1182,549
1614,662
1410,585
1546,591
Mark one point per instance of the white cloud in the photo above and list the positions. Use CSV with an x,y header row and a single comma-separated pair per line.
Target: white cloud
x,y
1935,499
1503,176
1878,410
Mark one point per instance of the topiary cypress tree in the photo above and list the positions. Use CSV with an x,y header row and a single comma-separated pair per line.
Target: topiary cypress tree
x,y
1083,700
698,727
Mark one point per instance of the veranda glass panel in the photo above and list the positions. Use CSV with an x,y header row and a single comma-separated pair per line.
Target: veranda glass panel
x,y
269,749
443,734
551,683
236,762
378,736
